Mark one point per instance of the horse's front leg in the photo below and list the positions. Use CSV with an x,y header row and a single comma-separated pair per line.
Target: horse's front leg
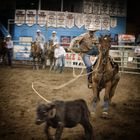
x,y
51,64
37,63
43,62
95,95
106,98
34,63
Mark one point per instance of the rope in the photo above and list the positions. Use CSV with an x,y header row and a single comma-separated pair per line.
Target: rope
x,y
74,79
80,75
67,83
74,75
39,94
71,81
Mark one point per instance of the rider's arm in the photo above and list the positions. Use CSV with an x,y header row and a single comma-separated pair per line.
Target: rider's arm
x,y
76,40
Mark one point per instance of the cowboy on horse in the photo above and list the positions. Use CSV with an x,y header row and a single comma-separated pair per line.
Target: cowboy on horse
x,y
88,47
105,72
40,41
53,38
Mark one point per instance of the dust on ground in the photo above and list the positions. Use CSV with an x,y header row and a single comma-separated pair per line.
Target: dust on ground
x,y
18,104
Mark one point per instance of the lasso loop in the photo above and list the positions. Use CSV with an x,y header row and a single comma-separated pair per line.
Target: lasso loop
x,y
39,94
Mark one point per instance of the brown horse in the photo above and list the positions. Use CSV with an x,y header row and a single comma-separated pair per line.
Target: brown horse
x,y
3,52
105,75
37,55
50,54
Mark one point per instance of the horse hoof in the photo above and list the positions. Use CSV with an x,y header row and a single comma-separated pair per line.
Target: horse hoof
x,y
113,104
43,67
105,115
90,85
93,114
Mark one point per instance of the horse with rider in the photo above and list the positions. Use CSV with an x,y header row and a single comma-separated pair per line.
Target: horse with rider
x,y
41,51
104,73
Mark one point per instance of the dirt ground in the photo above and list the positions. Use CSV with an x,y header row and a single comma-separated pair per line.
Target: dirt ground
x,y
18,104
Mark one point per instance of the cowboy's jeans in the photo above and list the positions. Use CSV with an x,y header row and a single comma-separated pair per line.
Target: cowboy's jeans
x,y
88,64
60,63
10,55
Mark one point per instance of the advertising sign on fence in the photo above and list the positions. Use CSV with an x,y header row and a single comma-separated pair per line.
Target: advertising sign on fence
x,y
22,52
125,38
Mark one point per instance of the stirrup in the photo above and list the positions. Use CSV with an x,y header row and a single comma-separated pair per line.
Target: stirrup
x,y
89,85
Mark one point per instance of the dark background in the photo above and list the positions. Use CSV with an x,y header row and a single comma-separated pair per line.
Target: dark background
x,y
133,17
7,9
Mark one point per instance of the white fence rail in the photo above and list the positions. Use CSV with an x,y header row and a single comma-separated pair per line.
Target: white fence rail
x,y
123,55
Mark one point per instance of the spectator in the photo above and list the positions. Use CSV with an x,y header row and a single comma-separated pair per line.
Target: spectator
x,y
92,41
9,46
59,54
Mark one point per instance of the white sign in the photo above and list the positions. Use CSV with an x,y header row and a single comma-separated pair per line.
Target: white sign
x,y
30,17
42,18
20,17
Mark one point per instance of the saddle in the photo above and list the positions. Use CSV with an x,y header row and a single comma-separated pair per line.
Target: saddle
x,y
113,64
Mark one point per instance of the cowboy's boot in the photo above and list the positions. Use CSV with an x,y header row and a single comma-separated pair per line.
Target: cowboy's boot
x,y
90,80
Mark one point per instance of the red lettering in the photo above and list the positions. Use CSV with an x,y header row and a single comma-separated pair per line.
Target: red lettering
x,y
79,57
73,57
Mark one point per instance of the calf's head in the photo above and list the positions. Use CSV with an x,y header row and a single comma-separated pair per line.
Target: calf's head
x,y
45,112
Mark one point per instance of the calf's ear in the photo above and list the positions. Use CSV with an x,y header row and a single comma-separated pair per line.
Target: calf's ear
x,y
52,113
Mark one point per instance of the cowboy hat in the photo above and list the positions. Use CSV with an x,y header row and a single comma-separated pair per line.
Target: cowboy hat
x,y
53,32
8,36
92,28
38,31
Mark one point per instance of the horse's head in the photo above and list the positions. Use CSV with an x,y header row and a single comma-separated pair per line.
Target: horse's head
x,y
51,46
33,46
51,42
104,46
35,49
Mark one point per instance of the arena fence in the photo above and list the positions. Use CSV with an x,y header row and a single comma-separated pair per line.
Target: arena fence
x,y
123,55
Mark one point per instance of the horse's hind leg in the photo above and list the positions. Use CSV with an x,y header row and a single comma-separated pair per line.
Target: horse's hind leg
x,y
33,64
37,64
43,62
51,65
114,85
